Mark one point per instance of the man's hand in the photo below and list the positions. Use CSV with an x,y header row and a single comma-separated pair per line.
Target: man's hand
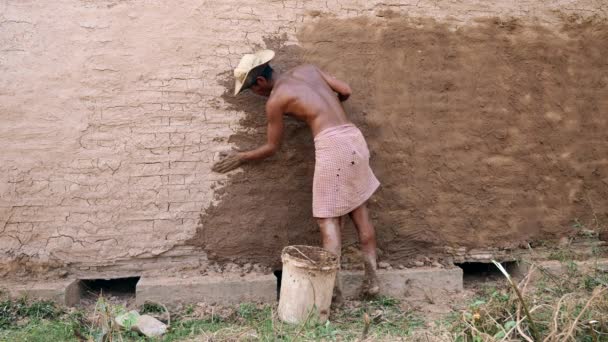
x,y
274,114
230,161
340,87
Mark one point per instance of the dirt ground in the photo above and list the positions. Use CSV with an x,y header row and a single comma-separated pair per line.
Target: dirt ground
x,y
485,135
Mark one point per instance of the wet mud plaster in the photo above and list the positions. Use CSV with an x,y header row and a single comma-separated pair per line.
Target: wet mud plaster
x,y
267,206
483,135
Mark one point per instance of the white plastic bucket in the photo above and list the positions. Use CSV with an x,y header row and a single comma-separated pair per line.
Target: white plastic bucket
x,y
307,283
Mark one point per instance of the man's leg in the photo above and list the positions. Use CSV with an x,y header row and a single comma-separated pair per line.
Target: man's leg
x,y
367,240
332,241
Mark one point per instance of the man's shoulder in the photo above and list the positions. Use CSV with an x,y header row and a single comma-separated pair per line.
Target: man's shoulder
x,y
296,72
279,96
306,67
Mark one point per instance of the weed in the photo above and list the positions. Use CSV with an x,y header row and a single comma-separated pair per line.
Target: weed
x,y
501,296
592,280
189,309
151,307
8,313
40,310
577,225
596,251
247,311
561,254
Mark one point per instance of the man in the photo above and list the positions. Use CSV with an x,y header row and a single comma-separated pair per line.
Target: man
x,y
343,180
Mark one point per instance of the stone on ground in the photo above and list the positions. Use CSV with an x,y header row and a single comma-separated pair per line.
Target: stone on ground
x,y
143,324
149,326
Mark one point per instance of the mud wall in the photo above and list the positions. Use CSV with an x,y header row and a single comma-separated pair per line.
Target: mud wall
x,y
484,132
485,135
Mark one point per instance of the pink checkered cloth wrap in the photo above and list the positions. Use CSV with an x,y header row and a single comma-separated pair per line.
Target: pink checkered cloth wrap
x,y
343,179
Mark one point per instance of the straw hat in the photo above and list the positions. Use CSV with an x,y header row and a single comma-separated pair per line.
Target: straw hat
x,y
244,77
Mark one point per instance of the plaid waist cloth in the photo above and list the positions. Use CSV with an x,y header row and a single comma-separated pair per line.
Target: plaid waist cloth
x,y
343,179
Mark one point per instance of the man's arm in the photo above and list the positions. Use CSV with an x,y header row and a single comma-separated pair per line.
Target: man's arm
x,y
274,114
340,87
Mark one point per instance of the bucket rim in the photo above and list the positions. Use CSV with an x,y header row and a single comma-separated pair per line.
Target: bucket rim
x,y
302,261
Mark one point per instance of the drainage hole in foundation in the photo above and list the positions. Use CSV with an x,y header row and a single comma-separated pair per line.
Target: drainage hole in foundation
x,y
121,289
475,272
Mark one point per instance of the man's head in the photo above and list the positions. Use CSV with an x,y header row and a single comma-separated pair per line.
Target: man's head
x,y
263,82
254,72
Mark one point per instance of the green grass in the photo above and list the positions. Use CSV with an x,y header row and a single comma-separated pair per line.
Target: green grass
x,y
40,331
44,321
23,320
13,310
345,324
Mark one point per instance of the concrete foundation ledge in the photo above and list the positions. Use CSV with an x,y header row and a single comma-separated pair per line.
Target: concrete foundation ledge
x,y
408,283
208,289
65,292
234,289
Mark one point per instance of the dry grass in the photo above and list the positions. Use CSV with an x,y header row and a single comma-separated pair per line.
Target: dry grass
x,y
571,307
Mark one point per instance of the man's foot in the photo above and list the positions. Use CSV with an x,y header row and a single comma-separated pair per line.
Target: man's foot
x,y
374,287
370,288
371,285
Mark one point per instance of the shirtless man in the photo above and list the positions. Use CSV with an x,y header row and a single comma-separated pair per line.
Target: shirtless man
x,y
343,180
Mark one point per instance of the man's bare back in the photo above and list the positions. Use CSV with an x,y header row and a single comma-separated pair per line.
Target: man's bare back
x,y
308,94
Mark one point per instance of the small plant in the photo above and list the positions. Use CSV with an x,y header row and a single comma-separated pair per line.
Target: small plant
x,y
8,313
561,255
593,280
151,307
102,325
251,312
189,309
501,296
41,310
577,225
246,311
